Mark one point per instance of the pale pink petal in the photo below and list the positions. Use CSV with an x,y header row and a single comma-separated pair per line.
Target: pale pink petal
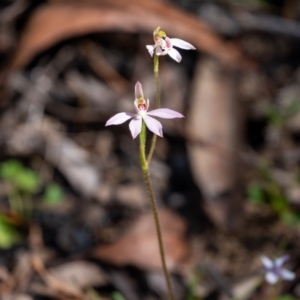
x,y
168,43
267,262
150,49
271,277
135,126
175,54
165,113
281,260
138,90
287,275
153,125
182,44
119,118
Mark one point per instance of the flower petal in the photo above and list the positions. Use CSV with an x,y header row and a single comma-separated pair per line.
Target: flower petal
x,y
271,277
153,125
287,275
138,90
150,49
158,51
281,260
162,43
175,54
182,44
267,262
165,113
119,118
135,126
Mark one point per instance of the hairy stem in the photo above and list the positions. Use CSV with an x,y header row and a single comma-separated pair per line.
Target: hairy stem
x,y
145,169
157,104
156,76
158,232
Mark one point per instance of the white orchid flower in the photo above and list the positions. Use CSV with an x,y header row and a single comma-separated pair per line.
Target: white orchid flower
x,y
141,106
164,45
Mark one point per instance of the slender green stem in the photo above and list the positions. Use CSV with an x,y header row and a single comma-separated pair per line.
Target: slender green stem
x,y
152,148
158,232
144,165
157,105
142,147
156,76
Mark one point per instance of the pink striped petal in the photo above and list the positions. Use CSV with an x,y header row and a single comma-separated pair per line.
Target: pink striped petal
x,y
119,118
153,125
182,44
135,126
165,113
175,54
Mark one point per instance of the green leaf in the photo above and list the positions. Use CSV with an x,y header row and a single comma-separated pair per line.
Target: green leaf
x,y
53,194
255,193
8,234
10,169
117,296
286,297
290,218
27,181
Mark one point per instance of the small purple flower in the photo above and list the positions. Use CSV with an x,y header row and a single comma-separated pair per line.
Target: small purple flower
x,y
164,45
274,270
141,106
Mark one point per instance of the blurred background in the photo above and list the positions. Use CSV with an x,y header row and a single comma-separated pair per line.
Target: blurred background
x,y
75,220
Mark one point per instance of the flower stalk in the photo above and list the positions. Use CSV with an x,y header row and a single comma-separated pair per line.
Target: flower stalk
x,y
143,118
157,104
145,168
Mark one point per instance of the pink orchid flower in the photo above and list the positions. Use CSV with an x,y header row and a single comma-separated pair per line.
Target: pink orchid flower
x,y
141,106
164,45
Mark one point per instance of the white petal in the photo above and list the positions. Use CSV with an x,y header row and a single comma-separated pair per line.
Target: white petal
x,y
158,51
168,43
162,43
287,275
135,126
267,262
119,118
281,260
271,277
175,54
182,44
153,125
150,49
165,113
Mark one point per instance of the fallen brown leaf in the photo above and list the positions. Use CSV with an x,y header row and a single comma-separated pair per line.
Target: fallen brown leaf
x,y
53,283
139,246
79,273
52,23
213,122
